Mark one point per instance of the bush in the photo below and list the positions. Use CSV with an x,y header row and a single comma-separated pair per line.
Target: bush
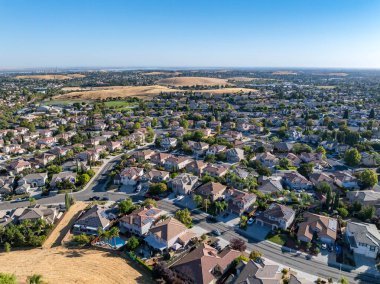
x,y
7,247
82,239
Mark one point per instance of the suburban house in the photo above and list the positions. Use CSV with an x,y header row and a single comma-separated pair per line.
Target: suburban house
x,y
239,201
183,183
271,185
215,149
252,272
92,219
155,176
212,190
130,175
215,170
277,216
370,159
267,159
176,163
363,238
39,212
19,165
196,167
168,143
322,226
318,178
143,155
235,155
198,148
364,197
160,158
140,220
63,176
296,181
204,264
169,233
6,185
346,180
34,180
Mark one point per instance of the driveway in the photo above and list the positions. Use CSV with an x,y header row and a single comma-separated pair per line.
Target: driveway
x,y
256,231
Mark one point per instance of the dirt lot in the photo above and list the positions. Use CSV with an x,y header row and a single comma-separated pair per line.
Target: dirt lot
x,y
142,92
61,265
191,81
51,77
64,225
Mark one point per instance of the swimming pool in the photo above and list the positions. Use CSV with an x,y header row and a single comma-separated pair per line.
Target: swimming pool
x,y
115,242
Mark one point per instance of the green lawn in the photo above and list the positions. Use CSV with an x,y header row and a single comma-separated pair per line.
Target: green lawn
x,y
119,104
277,239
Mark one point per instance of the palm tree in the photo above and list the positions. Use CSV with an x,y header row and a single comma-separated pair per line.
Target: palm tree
x,y
35,279
198,199
114,233
206,203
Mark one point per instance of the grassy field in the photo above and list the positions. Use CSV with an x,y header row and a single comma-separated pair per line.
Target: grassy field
x,y
51,76
61,265
191,81
142,92
119,104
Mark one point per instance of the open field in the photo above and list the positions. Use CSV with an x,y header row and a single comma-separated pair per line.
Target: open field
x,y
161,73
51,76
61,265
142,92
191,81
227,90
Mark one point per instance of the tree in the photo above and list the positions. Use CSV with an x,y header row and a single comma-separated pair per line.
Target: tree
x,y
238,244
321,150
336,201
68,201
345,114
344,280
6,278
83,179
206,203
184,216
368,178
35,279
32,201
7,247
343,212
158,188
132,243
367,213
149,202
306,169
114,233
137,125
284,163
352,157
328,199
372,114
255,255
198,199
243,221
126,206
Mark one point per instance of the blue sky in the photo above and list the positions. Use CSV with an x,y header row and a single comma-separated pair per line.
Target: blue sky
x,y
197,33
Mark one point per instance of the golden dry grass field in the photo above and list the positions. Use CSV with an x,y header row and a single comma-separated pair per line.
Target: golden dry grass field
x,y
142,92
232,90
51,76
69,266
191,81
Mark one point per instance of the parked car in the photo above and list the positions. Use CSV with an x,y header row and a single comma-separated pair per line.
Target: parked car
x,y
216,232
211,219
250,221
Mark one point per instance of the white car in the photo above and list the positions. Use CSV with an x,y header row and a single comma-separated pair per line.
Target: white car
x,y
250,221
180,197
324,246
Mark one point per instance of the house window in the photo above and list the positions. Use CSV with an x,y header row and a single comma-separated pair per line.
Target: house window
x,y
372,248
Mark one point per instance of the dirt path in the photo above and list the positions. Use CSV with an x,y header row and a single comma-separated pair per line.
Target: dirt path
x,y
63,227
69,266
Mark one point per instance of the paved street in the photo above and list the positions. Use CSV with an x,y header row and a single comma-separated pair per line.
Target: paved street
x,y
96,187
275,252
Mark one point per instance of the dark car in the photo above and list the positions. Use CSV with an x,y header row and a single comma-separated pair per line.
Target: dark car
x,y
105,198
211,219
